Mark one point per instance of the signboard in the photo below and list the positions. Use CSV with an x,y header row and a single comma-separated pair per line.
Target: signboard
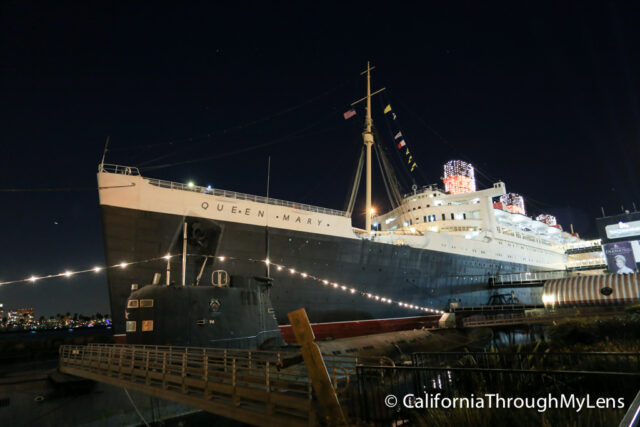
x,y
623,229
620,259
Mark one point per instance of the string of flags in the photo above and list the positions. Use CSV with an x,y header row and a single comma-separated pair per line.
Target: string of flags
x,y
279,267
401,144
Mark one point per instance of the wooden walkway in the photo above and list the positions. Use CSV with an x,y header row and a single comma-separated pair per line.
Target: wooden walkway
x,y
254,387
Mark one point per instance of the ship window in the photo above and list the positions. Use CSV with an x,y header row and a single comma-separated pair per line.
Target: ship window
x,y
464,216
132,303
147,325
131,326
425,218
428,206
451,215
146,303
444,217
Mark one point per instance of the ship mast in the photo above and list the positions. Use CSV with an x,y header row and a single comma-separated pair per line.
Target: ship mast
x,y
367,136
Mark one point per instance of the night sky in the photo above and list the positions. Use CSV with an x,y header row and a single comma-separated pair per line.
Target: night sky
x,y
543,96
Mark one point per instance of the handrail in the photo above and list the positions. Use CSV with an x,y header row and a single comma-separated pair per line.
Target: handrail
x,y
130,170
275,357
119,169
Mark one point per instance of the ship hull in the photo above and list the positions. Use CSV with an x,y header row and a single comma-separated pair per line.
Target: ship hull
x,y
419,277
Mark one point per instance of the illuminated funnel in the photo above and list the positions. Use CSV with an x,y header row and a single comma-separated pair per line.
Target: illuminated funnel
x,y
459,177
547,219
513,203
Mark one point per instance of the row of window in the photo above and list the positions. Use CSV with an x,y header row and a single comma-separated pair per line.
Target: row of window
x,y
147,325
143,303
432,218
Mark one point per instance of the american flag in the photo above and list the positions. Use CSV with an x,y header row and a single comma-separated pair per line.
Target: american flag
x,y
349,114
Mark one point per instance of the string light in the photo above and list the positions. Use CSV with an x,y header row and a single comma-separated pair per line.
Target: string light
x,y
279,267
69,273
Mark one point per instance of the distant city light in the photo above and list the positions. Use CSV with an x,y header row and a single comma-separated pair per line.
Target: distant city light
x,y
190,184
68,273
123,265
97,269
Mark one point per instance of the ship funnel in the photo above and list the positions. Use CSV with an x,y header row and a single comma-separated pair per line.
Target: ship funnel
x,y
547,219
513,203
459,177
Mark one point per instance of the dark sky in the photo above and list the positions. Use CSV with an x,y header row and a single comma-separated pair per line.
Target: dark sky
x,y
541,95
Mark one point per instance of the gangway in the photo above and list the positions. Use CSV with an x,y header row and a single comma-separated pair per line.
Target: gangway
x,y
262,388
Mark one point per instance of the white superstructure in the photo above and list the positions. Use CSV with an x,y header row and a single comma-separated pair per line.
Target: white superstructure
x,y
469,224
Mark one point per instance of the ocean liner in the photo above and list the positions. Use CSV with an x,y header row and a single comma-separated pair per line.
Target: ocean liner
x,y
436,246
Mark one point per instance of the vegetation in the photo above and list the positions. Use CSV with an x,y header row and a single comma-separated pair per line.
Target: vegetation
x,y
563,351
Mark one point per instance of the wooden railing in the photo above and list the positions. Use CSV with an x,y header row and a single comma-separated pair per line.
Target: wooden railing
x,y
251,386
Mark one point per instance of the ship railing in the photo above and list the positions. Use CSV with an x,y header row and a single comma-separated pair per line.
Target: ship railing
x,y
583,244
533,276
587,262
242,196
130,170
119,169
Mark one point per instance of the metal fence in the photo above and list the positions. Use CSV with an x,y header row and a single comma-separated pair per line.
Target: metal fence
x,y
585,361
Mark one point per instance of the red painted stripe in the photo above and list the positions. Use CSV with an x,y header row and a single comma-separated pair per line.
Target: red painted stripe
x,y
324,331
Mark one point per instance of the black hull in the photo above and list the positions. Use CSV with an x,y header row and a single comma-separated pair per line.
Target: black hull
x,y
415,276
